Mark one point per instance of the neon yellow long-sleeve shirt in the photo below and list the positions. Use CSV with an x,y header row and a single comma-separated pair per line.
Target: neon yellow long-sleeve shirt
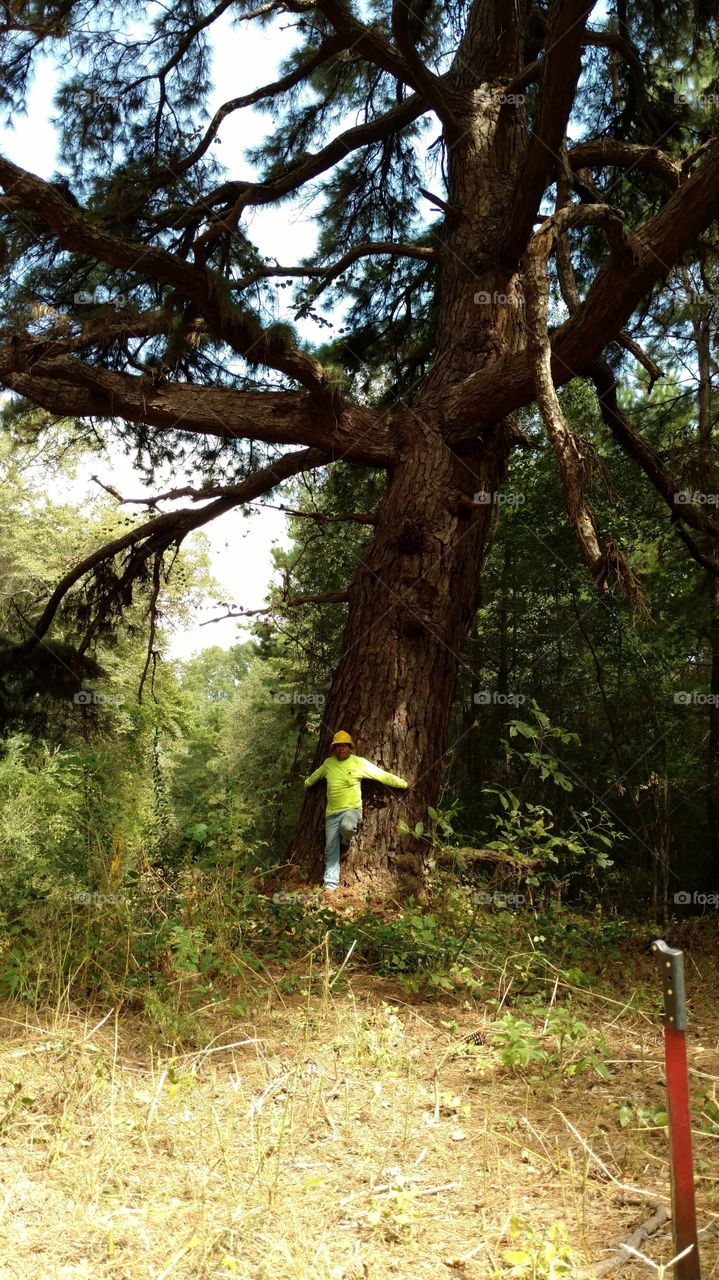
x,y
343,781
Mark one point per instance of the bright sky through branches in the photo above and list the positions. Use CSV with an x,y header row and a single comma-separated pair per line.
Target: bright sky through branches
x,y
243,58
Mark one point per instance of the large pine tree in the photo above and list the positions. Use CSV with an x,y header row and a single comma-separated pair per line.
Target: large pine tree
x,y
575,158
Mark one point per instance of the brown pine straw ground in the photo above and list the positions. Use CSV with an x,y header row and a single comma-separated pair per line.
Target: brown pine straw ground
x,y
336,1135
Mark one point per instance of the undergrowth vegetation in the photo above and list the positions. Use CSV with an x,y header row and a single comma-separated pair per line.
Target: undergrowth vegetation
x,y
178,945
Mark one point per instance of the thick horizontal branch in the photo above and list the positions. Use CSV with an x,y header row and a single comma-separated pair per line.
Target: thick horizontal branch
x,y
603,153
160,533
76,231
69,386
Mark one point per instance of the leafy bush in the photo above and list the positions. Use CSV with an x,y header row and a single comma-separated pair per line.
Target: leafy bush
x,y
41,823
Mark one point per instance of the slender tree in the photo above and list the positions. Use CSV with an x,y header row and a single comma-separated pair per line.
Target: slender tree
x,y
566,152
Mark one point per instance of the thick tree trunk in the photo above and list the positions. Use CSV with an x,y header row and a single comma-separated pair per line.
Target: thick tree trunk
x,y
413,600
411,606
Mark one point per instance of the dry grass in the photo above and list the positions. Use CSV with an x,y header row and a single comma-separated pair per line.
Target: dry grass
x,y
338,1135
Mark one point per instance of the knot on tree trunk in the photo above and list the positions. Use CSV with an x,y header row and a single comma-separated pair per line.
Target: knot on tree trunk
x,y
374,796
414,623
411,538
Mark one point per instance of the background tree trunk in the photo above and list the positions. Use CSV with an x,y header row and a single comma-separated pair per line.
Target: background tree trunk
x,y
708,479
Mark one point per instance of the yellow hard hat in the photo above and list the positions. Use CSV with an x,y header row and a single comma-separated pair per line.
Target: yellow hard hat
x,y
341,737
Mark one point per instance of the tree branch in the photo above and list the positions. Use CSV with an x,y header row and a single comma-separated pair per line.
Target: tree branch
x,y
655,247
368,42
640,355
74,230
327,50
579,215
320,517
561,66
328,597
602,153
69,386
712,566
571,463
567,283
425,81
202,495
330,273
158,534
647,457
502,386
563,257
242,195
29,347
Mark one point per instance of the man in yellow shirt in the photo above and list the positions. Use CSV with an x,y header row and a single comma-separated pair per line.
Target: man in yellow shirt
x,y
343,814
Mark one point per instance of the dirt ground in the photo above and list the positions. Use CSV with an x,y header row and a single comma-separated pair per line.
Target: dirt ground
x,y
345,1131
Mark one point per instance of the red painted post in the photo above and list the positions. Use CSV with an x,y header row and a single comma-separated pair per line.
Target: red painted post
x,y
684,1217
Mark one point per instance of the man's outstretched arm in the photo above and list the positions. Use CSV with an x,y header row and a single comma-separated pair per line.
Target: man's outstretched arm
x,y
370,770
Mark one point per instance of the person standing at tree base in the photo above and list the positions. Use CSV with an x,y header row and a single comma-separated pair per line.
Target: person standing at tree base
x,y
344,772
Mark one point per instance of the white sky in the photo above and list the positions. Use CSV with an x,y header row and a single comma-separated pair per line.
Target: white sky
x,y
245,58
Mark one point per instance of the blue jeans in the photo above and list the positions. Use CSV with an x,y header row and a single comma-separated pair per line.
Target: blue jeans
x,y
338,826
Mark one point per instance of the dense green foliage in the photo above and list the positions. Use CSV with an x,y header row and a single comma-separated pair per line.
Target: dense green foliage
x,y
568,695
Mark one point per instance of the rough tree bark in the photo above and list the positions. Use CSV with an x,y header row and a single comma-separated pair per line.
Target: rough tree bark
x,y
411,606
